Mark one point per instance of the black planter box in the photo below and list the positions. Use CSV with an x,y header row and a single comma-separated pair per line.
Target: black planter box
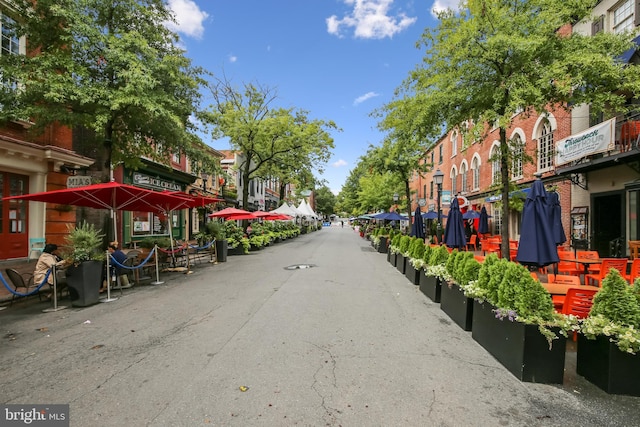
x,y
520,348
457,306
411,273
84,282
238,250
389,255
430,286
382,246
601,362
401,263
221,250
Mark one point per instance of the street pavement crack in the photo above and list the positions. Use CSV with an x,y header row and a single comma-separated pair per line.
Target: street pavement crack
x,y
316,386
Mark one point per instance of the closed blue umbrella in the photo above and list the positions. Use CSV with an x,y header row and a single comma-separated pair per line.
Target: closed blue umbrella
x,y
483,224
417,229
454,235
537,246
390,216
556,218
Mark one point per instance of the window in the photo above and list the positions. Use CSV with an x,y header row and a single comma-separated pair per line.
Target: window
x,y
623,17
454,143
175,157
10,45
494,157
148,223
454,182
424,191
464,178
440,150
431,190
497,219
475,166
545,147
432,157
517,153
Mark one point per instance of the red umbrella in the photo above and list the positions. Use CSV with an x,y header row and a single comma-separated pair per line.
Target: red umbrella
x,y
224,213
275,216
261,214
111,195
238,217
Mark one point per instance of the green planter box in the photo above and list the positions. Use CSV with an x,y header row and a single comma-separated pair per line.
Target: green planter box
x,y
520,348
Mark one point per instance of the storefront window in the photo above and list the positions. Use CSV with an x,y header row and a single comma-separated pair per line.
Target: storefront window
x,y
148,223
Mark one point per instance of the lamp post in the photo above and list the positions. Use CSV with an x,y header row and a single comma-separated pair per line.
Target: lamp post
x,y
438,176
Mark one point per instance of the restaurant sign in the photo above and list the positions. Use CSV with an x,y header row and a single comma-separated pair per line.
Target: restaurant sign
x,y
155,183
596,139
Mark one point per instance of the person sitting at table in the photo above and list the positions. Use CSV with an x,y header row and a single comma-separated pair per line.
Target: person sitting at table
x,y
45,262
120,257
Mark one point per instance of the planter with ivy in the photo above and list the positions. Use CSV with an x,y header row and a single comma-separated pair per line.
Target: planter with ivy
x,y
434,272
86,263
514,320
414,260
610,339
453,300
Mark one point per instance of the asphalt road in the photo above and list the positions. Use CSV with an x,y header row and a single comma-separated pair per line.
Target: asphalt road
x,y
348,342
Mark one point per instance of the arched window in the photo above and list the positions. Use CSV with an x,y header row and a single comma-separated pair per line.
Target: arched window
x,y
464,187
454,143
454,181
494,157
475,167
545,147
517,153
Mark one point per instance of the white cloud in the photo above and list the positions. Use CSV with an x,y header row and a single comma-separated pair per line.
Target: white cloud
x,y
339,163
365,97
442,5
370,19
189,18
233,58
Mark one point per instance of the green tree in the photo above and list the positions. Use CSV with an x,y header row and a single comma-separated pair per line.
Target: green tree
x,y
111,67
496,59
325,201
271,139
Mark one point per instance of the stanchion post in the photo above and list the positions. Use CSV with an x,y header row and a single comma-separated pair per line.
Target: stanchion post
x,y
157,282
108,298
55,293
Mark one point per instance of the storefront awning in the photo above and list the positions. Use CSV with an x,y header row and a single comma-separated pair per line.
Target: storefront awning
x,y
625,57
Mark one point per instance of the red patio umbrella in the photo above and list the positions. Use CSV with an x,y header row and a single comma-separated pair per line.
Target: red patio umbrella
x,y
224,213
241,216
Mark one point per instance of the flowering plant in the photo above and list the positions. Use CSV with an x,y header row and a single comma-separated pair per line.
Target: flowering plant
x,y
439,271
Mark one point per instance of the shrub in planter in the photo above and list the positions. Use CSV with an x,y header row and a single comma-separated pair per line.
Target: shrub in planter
x,y
435,273
610,340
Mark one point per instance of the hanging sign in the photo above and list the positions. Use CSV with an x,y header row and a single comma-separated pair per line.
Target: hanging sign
x,y
596,139
76,181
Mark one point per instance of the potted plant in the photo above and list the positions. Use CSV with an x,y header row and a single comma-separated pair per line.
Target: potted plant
x,y
403,253
610,337
435,272
237,242
86,263
394,248
514,320
453,301
414,260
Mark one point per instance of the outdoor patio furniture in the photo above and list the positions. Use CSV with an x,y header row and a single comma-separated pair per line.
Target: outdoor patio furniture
x,y
634,273
22,283
619,264
36,246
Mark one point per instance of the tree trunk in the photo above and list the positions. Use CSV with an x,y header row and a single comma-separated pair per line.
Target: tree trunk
x,y
504,180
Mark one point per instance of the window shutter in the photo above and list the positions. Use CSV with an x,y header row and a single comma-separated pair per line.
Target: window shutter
x,y
598,24
636,14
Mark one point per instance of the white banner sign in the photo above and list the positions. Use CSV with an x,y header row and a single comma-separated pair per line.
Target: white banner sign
x,y
78,181
596,139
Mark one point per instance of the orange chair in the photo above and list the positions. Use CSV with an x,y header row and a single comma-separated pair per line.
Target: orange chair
x,y
558,300
568,267
473,242
578,302
594,268
635,271
619,264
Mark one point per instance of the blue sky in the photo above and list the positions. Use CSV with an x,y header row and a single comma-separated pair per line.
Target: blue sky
x,y
337,59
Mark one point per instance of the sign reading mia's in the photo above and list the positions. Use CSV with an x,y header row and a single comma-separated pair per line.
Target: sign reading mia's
x,y
34,415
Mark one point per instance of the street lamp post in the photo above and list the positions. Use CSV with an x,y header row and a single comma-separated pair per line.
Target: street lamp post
x,y
438,176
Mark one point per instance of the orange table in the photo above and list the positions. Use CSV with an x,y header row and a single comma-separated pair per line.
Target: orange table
x,y
561,288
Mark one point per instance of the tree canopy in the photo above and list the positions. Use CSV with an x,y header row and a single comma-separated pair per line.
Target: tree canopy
x,y
112,67
274,141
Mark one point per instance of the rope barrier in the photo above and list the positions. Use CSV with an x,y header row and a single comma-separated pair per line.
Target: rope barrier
x,y
201,248
20,294
113,261
175,251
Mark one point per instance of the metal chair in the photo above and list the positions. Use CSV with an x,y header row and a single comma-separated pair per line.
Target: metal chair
x,y
21,283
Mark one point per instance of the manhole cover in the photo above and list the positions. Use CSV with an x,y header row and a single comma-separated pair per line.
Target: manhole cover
x,y
299,266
